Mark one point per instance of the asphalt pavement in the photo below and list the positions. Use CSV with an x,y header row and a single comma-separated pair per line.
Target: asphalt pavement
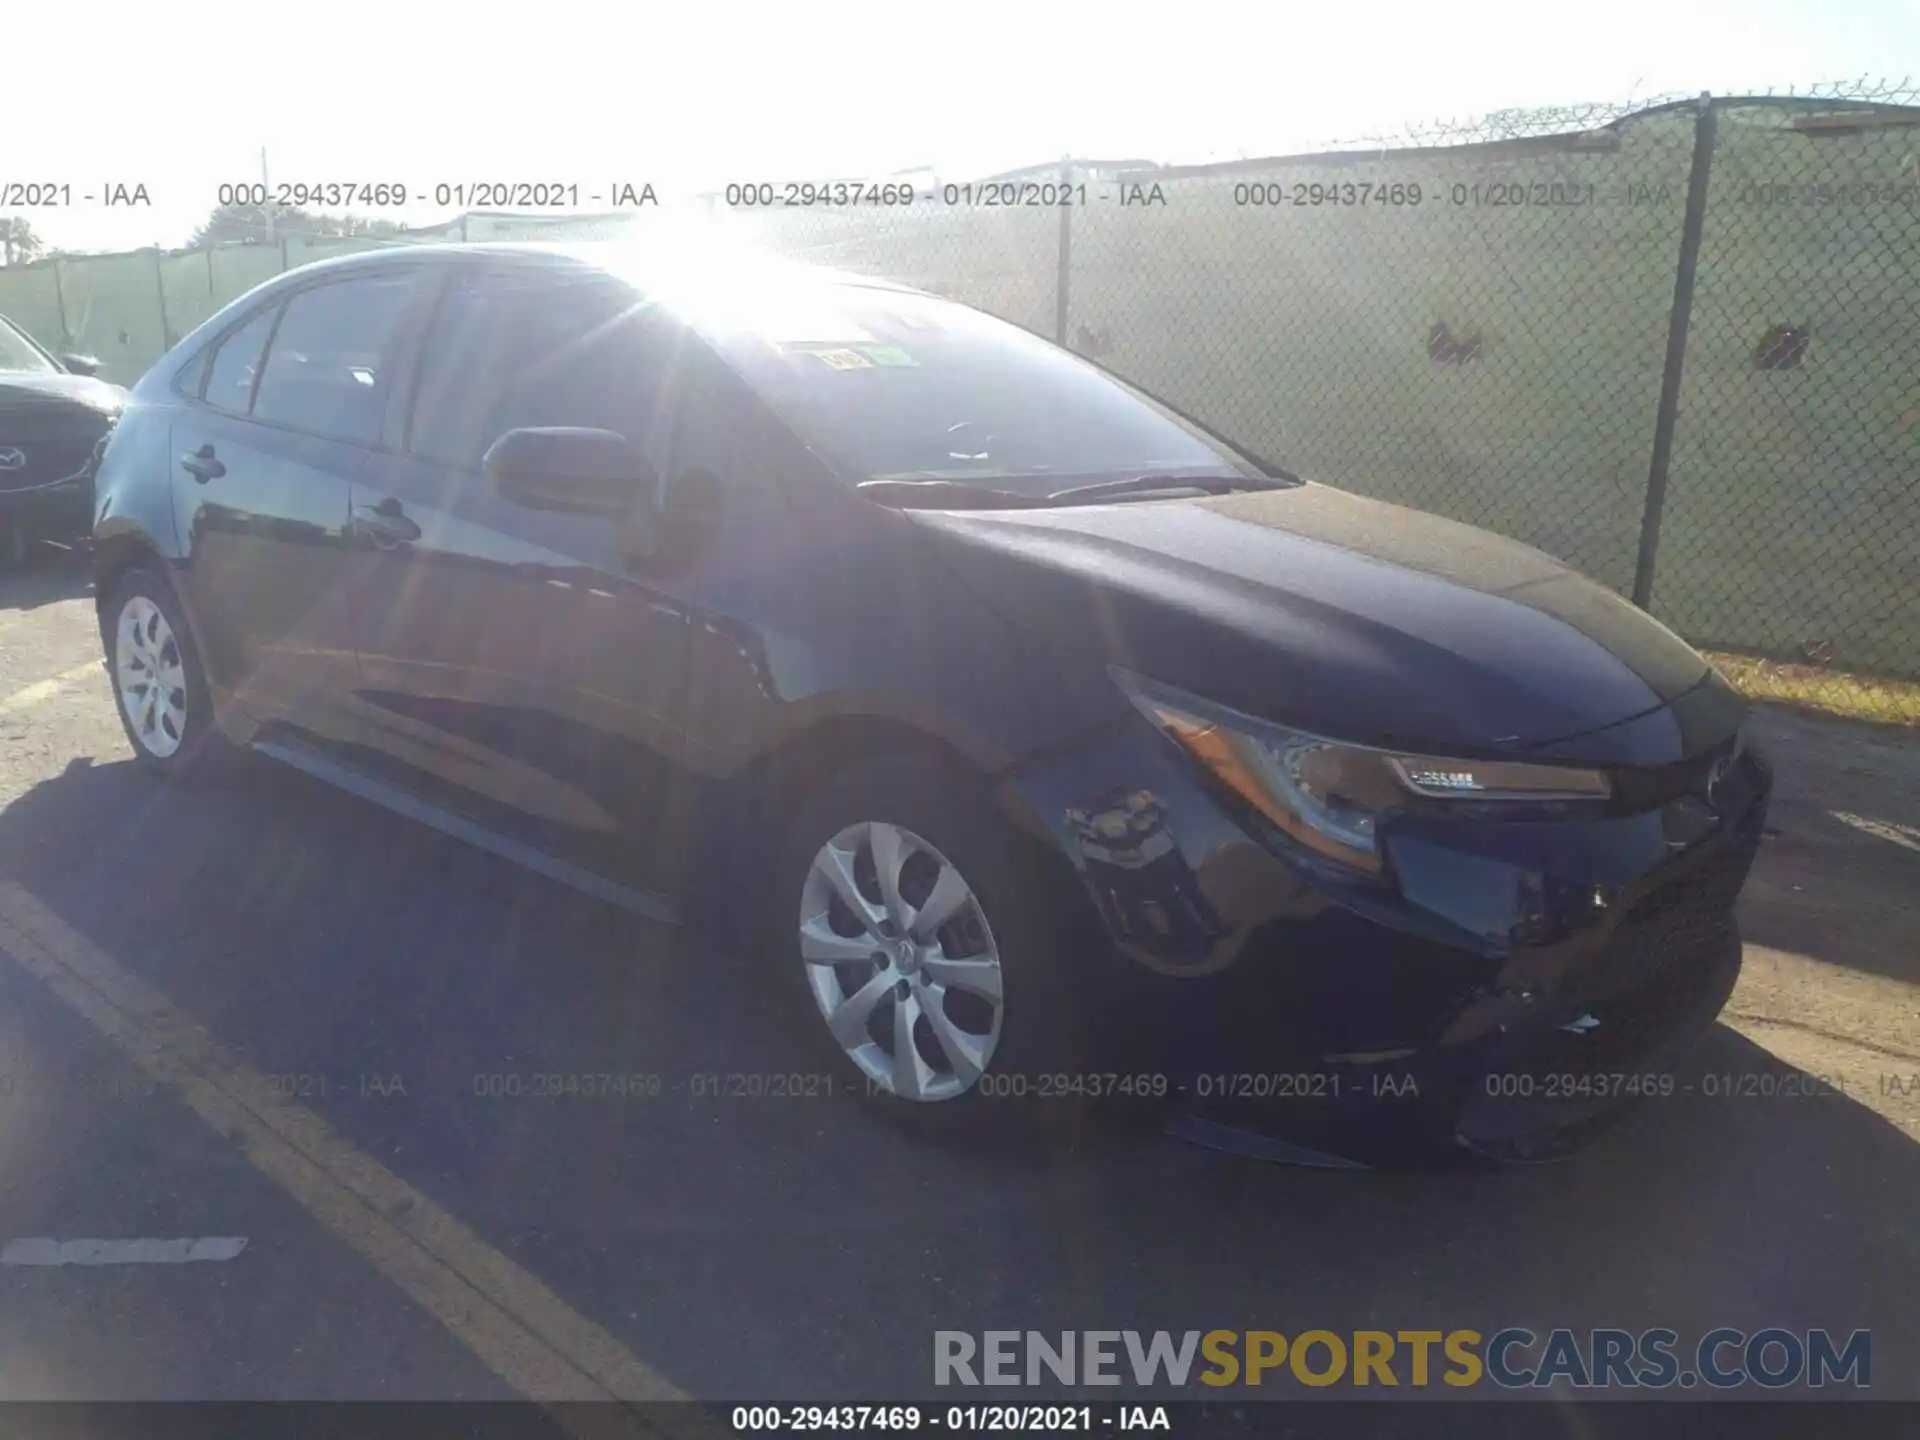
x,y
480,1136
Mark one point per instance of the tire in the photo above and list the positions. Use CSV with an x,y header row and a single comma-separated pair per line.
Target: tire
x,y
143,630
944,829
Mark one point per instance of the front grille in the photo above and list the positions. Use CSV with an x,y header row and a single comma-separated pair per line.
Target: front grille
x,y
1703,890
45,465
1677,924
54,446
1648,948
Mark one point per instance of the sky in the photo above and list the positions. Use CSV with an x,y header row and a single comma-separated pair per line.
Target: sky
x,y
181,97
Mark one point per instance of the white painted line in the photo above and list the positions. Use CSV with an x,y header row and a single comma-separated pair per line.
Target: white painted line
x,y
1881,829
527,1335
47,689
639,902
121,1252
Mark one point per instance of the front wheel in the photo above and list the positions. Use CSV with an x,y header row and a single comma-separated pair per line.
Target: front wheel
x,y
921,949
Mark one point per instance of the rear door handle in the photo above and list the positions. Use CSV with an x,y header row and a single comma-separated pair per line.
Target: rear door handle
x,y
385,524
202,465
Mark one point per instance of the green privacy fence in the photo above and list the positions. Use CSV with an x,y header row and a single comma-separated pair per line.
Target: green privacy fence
x,y
127,310
1674,345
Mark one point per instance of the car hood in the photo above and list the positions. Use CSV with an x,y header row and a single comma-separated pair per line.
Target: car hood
x,y
83,390
1320,609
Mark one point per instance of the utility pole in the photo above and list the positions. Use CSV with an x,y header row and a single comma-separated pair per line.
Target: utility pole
x,y
266,192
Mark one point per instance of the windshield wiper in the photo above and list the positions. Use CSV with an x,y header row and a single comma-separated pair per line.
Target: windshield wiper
x,y
1150,484
938,494
945,495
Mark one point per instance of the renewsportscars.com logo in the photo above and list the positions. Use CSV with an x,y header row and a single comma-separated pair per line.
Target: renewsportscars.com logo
x,y
1514,1358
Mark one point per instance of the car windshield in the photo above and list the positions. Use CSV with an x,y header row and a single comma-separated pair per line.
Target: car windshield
x,y
19,355
892,385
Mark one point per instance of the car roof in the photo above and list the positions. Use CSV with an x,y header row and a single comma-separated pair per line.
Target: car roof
x,y
668,270
647,265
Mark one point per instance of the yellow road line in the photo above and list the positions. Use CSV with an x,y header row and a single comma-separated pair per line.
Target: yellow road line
x,y
47,689
518,1328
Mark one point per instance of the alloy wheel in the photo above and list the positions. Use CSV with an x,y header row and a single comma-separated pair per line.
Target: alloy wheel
x,y
901,962
149,675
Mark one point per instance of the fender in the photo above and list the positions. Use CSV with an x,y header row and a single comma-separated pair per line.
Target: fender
x,y
135,523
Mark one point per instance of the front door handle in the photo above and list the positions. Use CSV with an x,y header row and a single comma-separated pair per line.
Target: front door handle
x,y
385,524
202,465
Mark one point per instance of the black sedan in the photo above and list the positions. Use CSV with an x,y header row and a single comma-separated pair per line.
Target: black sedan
x,y
53,416
1041,743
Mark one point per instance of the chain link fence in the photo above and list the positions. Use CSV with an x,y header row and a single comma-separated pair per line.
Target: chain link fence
x,y
1672,344
1790,529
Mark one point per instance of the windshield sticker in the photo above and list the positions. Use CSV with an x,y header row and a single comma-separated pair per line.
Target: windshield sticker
x,y
842,359
887,355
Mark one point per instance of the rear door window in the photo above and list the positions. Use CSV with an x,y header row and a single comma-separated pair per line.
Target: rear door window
x,y
326,370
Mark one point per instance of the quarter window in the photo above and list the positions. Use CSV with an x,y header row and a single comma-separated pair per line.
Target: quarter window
x,y
230,376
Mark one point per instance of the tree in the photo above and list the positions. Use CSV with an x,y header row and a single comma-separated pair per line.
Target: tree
x,y
263,223
18,243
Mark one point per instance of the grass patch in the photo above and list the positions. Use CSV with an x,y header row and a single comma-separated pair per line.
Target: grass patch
x,y
1834,692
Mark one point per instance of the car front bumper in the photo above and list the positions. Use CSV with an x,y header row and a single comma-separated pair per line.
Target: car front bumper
x,y
62,511
1509,988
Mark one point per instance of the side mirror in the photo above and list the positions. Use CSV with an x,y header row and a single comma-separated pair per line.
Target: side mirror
x,y
585,472
80,364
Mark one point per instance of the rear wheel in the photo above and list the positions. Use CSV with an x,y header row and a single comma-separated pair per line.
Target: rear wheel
x,y
158,682
921,953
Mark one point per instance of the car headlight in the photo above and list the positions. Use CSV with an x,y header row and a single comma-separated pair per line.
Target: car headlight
x,y
1328,795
